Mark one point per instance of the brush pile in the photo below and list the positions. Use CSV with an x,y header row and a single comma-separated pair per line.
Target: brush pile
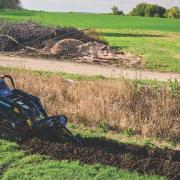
x,y
62,43
18,35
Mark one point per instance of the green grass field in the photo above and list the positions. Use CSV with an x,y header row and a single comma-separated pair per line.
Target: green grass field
x,y
100,21
155,39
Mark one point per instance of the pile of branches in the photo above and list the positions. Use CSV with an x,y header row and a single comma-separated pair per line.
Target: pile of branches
x,y
15,36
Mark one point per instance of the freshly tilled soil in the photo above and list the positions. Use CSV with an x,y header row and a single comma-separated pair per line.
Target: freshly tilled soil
x,y
144,160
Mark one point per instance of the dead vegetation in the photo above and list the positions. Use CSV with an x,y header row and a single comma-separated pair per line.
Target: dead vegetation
x,y
61,43
33,35
117,104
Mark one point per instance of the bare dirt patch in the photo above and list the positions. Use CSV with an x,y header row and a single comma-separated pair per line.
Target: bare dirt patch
x,y
144,160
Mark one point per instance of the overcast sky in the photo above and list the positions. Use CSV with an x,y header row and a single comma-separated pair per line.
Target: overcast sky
x,y
90,5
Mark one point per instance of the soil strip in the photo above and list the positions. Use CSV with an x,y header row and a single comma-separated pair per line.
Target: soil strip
x,y
144,160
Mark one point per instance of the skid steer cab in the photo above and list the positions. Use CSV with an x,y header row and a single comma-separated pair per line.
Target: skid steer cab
x,y
23,116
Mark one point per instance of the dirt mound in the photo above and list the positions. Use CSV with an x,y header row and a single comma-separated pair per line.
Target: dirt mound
x,y
63,43
15,36
92,52
100,53
65,47
129,157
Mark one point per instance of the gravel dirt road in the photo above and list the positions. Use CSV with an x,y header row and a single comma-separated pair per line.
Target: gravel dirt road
x,y
83,69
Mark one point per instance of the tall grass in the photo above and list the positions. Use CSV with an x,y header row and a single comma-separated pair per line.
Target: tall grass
x,y
119,104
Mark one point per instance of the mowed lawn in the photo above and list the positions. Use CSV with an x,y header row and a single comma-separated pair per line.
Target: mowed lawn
x,y
159,50
157,40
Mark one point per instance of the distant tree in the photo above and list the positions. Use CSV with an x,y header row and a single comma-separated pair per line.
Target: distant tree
x,y
1,4
139,10
153,10
148,10
173,12
10,4
116,11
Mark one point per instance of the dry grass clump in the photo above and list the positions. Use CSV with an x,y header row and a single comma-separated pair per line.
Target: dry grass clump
x,y
119,104
95,34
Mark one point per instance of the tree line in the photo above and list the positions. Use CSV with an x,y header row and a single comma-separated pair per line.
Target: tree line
x,y
10,4
150,10
142,9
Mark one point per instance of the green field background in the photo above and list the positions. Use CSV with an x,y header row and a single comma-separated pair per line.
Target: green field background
x,y
102,21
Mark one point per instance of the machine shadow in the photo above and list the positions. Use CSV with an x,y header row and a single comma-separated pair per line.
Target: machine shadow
x,y
135,150
142,159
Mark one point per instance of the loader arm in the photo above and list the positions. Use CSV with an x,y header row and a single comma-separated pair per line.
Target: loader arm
x,y
22,116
